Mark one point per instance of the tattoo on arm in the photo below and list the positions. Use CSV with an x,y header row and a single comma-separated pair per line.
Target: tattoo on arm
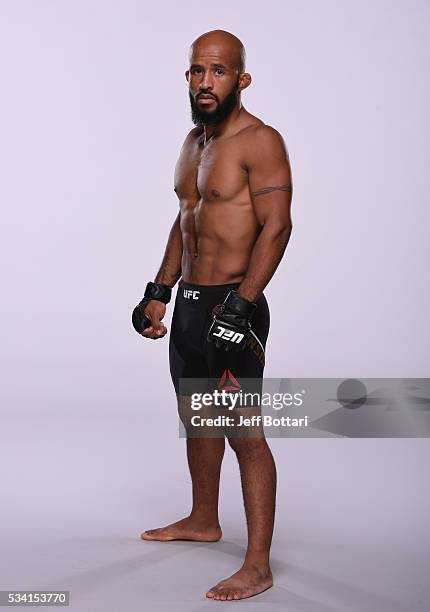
x,y
270,189
164,275
163,269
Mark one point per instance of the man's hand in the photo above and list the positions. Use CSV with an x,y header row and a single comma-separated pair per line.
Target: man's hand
x,y
155,312
231,327
147,315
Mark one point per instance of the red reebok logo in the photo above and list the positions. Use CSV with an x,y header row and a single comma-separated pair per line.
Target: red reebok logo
x,y
228,382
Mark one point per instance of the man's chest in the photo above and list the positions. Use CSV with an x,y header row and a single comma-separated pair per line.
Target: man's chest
x,y
214,172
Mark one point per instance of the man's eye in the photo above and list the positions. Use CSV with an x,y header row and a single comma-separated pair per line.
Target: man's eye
x,y
219,71
195,70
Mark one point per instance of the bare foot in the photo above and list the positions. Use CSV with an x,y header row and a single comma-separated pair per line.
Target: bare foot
x,y
185,529
248,581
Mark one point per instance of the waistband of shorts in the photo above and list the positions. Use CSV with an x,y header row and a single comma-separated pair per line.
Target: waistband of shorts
x,y
207,288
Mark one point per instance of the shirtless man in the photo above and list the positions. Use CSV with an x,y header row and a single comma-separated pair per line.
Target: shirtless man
x,y
233,182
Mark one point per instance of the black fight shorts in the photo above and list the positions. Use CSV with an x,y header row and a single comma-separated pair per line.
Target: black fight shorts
x,y
191,356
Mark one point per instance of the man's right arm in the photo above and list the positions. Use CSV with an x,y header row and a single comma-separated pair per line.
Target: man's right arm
x,y
168,274
170,269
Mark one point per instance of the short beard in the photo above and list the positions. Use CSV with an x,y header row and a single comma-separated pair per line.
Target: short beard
x,y
218,115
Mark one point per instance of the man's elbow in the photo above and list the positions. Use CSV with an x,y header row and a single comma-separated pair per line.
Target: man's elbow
x,y
282,231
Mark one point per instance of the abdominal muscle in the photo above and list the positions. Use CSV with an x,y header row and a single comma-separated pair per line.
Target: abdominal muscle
x,y
217,262
217,253
209,270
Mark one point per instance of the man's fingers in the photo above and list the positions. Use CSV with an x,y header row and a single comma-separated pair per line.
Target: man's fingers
x,y
159,327
147,331
161,331
155,332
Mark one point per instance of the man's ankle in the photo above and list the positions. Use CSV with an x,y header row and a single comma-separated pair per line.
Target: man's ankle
x,y
204,518
257,562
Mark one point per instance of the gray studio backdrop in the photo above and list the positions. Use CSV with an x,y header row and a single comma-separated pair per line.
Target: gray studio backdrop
x,y
94,108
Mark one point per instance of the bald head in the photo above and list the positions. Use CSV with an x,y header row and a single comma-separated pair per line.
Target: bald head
x,y
216,77
221,42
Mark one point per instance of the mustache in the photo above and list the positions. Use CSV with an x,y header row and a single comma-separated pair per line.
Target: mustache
x,y
206,94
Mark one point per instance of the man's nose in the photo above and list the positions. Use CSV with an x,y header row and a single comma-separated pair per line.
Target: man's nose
x,y
206,82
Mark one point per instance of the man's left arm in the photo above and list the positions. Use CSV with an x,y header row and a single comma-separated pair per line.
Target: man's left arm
x,y
270,187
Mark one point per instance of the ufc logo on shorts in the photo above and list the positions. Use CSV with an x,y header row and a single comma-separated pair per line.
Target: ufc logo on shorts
x,y
228,334
191,294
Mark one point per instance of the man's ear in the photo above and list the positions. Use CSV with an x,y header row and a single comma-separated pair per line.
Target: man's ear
x,y
187,74
245,80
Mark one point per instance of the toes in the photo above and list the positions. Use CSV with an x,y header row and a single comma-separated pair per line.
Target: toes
x,y
219,593
150,534
212,592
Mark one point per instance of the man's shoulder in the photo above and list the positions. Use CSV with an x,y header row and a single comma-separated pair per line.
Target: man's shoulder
x,y
262,142
190,140
194,134
262,134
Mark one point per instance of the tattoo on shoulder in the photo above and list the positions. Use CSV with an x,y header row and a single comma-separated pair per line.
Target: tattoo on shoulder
x,y
270,189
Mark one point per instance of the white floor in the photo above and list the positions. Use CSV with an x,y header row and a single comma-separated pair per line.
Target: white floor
x,y
78,486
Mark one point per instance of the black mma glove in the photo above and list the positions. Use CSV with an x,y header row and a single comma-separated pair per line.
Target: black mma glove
x,y
153,291
230,328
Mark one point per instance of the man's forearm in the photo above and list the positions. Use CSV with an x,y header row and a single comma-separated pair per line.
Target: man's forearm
x,y
266,255
170,269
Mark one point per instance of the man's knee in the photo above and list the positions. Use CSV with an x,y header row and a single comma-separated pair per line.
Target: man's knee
x,y
247,447
197,424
